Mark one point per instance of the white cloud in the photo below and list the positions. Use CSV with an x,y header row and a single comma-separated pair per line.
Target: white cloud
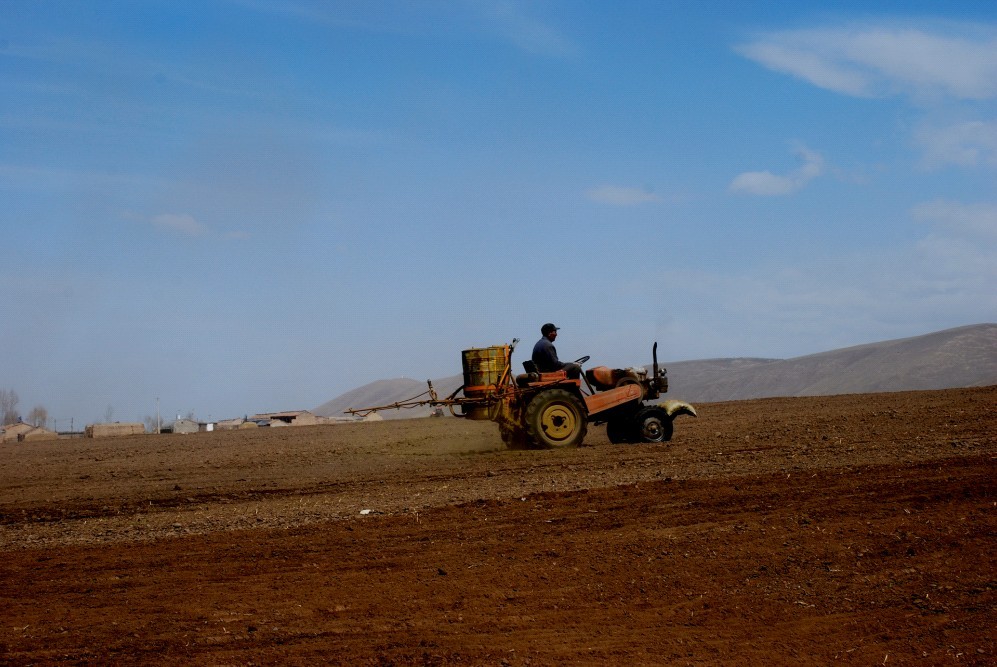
x,y
528,33
975,222
956,261
825,72
763,183
766,183
621,196
871,60
182,223
968,144
828,302
514,21
185,225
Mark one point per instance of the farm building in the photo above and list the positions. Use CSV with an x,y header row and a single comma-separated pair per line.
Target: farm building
x,y
117,428
185,426
38,433
292,418
22,431
228,424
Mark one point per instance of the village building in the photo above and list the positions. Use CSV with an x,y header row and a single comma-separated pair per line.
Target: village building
x,y
22,431
290,418
185,426
115,429
230,424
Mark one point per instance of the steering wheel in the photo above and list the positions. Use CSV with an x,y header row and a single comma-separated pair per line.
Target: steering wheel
x,y
582,360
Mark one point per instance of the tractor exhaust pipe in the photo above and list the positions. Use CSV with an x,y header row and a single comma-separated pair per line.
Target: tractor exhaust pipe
x,y
659,381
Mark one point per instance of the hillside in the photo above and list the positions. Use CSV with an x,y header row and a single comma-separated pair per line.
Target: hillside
x,y
960,357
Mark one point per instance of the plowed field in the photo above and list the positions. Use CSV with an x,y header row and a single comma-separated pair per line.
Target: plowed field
x,y
855,529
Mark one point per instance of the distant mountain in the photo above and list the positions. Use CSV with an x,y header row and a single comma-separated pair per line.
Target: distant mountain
x,y
379,392
387,392
961,357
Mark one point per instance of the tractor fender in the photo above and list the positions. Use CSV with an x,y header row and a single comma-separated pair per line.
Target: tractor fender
x,y
675,408
611,398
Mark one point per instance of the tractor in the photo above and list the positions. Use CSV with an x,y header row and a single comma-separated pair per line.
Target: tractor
x,y
544,410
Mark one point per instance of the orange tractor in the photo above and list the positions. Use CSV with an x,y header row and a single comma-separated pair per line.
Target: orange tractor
x,y
535,409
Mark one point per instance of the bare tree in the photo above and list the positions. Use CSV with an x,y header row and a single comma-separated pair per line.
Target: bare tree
x,y
109,414
152,424
38,416
8,406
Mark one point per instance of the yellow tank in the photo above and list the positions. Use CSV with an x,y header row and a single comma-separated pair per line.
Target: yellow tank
x,y
484,368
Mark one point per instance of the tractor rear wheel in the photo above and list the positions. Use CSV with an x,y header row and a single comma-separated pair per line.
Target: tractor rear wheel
x,y
556,418
653,424
514,437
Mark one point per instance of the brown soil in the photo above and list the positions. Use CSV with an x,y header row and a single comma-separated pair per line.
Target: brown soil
x,y
858,529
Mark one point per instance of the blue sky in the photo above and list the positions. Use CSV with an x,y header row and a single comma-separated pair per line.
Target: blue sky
x,y
257,205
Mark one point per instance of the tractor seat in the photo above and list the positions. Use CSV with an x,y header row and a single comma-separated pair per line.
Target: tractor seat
x,y
524,379
531,374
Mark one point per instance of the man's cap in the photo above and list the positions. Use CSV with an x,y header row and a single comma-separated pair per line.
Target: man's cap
x,y
547,328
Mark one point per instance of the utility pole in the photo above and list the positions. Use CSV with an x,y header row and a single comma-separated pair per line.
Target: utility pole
x,y
157,416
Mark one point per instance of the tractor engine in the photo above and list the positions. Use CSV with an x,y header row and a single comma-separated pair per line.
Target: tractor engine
x,y
602,378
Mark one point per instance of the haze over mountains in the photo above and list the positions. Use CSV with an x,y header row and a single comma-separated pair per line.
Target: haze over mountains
x,y
961,357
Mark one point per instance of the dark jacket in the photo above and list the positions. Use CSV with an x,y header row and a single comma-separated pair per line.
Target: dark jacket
x,y
545,356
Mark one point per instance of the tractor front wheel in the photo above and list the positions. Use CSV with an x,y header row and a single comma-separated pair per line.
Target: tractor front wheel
x,y
653,424
618,430
556,418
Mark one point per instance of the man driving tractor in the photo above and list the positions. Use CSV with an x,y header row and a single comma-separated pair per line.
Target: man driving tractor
x,y
545,354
